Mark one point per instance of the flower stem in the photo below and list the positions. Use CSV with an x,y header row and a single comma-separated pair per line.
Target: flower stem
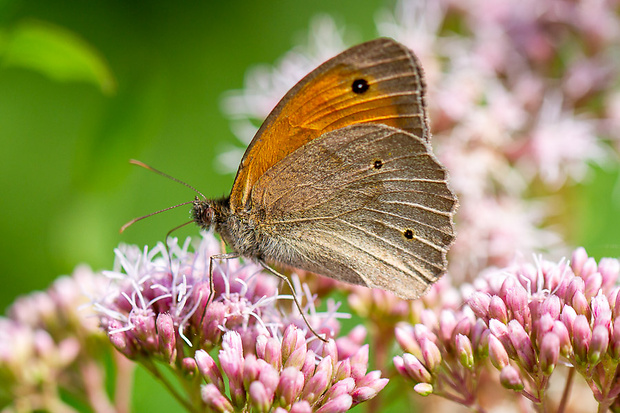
x,y
124,382
382,338
151,367
567,388
94,387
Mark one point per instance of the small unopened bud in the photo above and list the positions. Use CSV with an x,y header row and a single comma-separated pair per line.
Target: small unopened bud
x,y
511,379
423,389
549,353
497,353
464,351
598,344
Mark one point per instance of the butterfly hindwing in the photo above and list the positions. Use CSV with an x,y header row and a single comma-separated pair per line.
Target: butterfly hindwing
x,y
367,204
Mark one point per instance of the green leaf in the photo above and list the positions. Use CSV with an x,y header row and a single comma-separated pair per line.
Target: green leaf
x,y
55,52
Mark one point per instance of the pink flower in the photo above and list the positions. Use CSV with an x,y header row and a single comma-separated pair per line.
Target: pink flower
x,y
524,319
268,358
270,380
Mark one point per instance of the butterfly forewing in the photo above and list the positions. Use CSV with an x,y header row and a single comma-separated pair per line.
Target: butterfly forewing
x,y
367,204
375,82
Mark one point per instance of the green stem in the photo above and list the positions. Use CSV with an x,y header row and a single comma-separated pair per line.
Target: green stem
x,y
566,392
150,366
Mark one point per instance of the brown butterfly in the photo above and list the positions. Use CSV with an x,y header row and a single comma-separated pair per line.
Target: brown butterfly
x,y
341,180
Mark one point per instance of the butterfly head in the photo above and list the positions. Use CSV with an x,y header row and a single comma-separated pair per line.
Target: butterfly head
x,y
203,213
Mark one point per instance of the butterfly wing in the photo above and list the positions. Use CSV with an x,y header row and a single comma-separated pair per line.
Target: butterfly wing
x,y
367,204
379,81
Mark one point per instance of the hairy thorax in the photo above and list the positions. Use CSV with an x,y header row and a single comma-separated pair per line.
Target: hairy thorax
x,y
247,233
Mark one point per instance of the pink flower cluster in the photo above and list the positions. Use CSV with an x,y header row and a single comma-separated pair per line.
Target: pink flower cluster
x,y
541,315
527,319
286,375
50,344
269,357
444,352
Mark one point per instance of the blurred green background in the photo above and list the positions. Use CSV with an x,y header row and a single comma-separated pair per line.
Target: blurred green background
x,y
144,80
66,134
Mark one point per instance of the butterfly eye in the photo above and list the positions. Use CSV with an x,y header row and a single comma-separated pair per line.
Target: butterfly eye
x,y
202,213
359,86
408,234
378,164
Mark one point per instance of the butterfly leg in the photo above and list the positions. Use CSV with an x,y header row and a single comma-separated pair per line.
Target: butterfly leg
x,y
227,256
297,304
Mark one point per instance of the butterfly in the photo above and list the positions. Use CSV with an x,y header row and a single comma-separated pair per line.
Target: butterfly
x,y
341,180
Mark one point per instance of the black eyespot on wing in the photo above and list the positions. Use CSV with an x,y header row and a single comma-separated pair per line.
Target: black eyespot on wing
x,y
378,164
408,234
359,86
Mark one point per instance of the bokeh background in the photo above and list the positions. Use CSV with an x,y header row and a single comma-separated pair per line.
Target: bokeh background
x,y
86,86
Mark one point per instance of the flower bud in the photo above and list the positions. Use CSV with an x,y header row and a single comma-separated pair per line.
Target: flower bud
x,y
431,355
601,311
423,389
589,268
593,284
578,260
610,271
497,309
319,382
479,303
370,388
429,319
464,351
343,370
301,407
580,303
480,338
568,317
582,335
522,344
549,353
292,338
552,306
144,331
269,377
345,386
543,325
404,336
497,353
272,352
290,386
259,399
447,322
167,338
214,399
510,378
415,369
464,325
500,331
560,330
576,284
341,403
598,344
359,362
209,370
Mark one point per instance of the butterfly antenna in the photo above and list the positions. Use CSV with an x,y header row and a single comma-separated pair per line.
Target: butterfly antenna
x,y
133,221
157,171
